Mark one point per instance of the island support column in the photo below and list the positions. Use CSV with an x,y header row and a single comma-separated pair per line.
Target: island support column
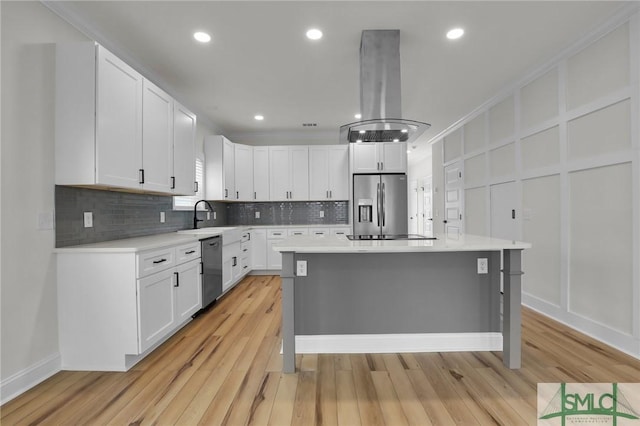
x,y
512,317
288,330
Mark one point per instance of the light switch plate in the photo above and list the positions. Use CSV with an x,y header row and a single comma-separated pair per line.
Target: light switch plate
x,y
88,219
257,215
162,218
321,213
45,221
483,265
208,215
301,268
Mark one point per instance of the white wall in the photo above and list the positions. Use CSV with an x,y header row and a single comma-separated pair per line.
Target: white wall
x,y
29,326
567,137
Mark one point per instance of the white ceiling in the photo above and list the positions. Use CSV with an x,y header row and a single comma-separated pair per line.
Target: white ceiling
x,y
260,61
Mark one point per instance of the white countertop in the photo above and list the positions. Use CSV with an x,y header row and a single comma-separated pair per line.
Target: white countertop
x,y
340,244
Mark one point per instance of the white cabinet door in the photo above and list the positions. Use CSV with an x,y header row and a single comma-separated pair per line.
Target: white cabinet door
x,y
118,122
365,158
156,308
394,157
279,173
227,273
228,163
274,258
261,173
299,172
259,248
184,150
188,290
319,173
157,138
244,172
338,172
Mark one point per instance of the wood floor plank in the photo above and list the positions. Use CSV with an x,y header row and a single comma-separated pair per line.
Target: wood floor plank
x,y
347,404
389,402
368,403
282,410
225,367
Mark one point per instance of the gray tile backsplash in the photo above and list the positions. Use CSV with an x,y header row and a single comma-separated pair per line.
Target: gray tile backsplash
x,y
118,215
289,213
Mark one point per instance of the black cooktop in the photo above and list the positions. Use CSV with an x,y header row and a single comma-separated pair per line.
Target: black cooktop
x,y
389,237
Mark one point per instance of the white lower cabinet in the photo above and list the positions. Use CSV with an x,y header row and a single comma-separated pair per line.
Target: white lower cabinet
x,y
258,249
114,307
274,236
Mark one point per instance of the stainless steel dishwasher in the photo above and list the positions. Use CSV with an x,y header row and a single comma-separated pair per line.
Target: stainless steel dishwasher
x,y
211,270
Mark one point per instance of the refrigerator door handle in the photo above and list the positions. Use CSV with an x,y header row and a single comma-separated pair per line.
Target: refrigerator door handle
x,y
379,205
384,207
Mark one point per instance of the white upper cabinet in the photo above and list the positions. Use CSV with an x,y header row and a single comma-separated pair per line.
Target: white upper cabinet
x,y
219,155
261,173
184,151
244,172
112,127
157,138
289,173
386,157
329,172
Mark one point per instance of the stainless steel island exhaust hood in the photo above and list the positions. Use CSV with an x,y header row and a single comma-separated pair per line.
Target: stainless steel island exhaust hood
x,y
380,93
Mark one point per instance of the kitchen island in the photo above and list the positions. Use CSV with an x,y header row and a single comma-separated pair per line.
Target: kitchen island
x,y
341,296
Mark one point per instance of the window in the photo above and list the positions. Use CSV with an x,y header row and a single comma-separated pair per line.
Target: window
x,y
187,202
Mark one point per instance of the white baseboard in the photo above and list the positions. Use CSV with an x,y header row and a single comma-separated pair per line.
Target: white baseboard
x,y
398,343
24,380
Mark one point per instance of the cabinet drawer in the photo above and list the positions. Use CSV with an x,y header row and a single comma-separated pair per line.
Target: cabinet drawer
x,y
245,248
340,231
155,261
320,231
298,231
187,252
276,234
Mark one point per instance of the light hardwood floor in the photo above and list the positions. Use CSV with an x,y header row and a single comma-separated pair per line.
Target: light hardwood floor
x,y
224,368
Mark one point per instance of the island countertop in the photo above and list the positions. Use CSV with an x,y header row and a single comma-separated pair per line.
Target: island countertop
x,y
340,244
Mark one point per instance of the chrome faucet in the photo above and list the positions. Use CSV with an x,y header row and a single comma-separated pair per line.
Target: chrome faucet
x,y
195,216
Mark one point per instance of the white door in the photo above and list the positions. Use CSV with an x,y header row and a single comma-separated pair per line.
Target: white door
x,y
279,173
504,211
184,150
299,178
427,207
413,207
157,138
261,173
118,123
156,308
318,173
188,290
393,157
453,224
365,158
244,172
228,164
339,172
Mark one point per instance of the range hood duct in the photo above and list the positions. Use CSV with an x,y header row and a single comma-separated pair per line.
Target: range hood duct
x,y
380,93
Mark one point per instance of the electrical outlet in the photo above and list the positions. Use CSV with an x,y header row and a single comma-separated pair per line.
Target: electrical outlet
x,y
88,219
161,217
301,268
321,213
483,265
208,215
257,215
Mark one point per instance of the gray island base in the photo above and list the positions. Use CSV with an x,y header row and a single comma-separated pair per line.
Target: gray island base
x,y
377,297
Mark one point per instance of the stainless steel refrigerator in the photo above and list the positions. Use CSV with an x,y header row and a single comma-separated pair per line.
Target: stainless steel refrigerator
x,y
380,205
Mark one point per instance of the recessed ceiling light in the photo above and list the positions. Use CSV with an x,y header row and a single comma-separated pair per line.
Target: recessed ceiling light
x,y
202,37
358,116
314,34
259,117
455,33
408,151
